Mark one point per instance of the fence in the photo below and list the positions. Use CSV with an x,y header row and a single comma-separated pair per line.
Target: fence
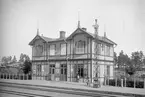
x,y
41,77
135,82
16,76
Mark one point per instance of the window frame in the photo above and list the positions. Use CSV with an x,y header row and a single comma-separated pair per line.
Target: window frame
x,y
52,69
36,50
108,50
80,70
54,50
61,48
78,48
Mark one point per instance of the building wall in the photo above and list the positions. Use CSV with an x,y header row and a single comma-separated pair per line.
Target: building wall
x,y
93,62
103,58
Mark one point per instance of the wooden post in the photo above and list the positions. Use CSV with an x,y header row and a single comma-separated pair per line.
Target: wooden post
x,y
125,82
134,82
6,75
108,80
22,76
27,77
3,76
12,76
144,83
105,81
115,81
19,77
121,82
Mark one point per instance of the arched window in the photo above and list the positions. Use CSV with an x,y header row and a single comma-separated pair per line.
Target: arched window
x,y
80,47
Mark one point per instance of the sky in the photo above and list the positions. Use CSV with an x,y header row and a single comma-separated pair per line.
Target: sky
x,y
122,20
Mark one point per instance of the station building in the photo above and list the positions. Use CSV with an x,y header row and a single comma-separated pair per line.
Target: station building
x,y
82,54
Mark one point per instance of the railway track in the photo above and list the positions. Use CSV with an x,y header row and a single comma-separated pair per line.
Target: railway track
x,y
54,90
22,93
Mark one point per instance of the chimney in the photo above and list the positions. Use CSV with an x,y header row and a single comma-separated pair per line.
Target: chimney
x,y
85,29
62,34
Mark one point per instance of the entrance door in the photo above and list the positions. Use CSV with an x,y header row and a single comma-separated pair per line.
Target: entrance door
x,y
80,72
63,72
52,71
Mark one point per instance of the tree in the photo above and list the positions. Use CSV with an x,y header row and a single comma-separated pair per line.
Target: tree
x,y
129,69
9,58
135,63
27,67
24,57
14,60
144,61
6,60
21,58
122,60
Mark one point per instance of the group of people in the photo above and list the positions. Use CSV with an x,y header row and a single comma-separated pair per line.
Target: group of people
x,y
96,80
87,79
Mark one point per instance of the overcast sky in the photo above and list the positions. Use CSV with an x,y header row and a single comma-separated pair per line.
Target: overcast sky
x,y
124,20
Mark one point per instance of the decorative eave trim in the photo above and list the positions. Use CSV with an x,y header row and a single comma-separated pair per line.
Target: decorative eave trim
x,y
31,43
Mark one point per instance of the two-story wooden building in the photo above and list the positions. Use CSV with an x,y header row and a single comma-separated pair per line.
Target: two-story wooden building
x,y
82,53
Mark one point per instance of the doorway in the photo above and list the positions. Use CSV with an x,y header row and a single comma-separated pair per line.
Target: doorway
x,y
63,72
52,71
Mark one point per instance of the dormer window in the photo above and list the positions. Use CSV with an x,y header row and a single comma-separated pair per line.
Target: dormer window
x,y
80,47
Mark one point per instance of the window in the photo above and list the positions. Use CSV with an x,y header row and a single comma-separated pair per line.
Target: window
x,y
52,49
98,48
107,50
111,51
80,47
38,69
52,69
63,49
38,50
108,70
102,47
63,69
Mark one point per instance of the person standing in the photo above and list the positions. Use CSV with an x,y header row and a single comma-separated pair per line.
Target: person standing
x,y
78,77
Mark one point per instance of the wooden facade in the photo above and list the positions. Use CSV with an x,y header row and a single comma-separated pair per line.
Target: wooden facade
x,y
81,54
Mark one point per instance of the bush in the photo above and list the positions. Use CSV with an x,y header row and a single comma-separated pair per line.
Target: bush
x,y
129,83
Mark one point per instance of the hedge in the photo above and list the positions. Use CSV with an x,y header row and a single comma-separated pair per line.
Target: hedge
x,y
129,83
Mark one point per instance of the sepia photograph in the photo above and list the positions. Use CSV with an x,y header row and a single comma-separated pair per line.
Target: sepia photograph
x,y
72,48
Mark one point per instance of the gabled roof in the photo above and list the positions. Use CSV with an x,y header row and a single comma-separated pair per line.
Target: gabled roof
x,y
45,39
101,38
105,39
78,30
